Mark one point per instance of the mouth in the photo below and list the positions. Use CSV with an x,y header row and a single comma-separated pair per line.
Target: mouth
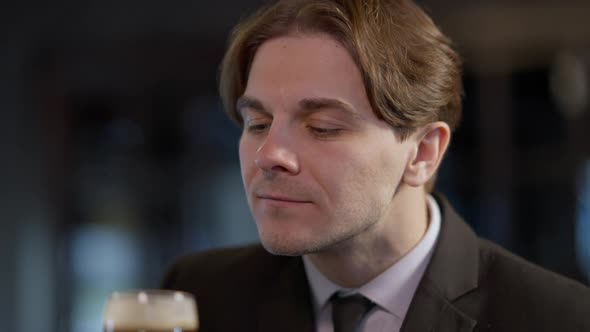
x,y
281,201
281,198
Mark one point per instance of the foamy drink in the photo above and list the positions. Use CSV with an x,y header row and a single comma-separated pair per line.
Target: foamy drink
x,y
150,311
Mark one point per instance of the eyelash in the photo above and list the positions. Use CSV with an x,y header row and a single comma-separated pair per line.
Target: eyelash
x,y
324,132
256,128
319,132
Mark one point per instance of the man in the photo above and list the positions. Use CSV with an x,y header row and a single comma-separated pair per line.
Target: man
x,y
347,109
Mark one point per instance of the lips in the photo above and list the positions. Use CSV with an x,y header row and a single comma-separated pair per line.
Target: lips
x,y
281,198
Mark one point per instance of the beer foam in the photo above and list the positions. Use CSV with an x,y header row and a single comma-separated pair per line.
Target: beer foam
x,y
157,310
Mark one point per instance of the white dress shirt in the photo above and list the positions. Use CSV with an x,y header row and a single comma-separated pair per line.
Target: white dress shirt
x,y
392,290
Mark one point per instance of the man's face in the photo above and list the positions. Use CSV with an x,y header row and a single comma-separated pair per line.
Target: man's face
x,y
319,168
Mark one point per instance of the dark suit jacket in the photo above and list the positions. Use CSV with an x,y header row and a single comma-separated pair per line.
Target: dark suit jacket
x,y
470,285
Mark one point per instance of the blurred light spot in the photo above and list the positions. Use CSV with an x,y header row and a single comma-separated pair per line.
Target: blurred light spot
x,y
102,254
103,259
35,270
142,298
569,84
583,221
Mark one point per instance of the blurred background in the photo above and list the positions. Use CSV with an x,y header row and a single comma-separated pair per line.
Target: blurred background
x,y
117,158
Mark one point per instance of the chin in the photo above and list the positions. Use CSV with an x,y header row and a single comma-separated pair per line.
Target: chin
x,y
283,236
289,244
282,250
283,247
298,236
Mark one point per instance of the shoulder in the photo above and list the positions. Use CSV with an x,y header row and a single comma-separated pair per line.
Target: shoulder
x,y
516,287
239,264
229,280
510,269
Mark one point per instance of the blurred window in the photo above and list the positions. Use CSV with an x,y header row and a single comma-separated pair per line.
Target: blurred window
x,y
583,221
103,259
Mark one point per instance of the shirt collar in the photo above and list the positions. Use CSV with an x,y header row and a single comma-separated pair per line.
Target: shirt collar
x,y
394,288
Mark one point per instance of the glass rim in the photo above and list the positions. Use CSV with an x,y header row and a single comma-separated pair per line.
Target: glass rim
x,y
158,309
161,293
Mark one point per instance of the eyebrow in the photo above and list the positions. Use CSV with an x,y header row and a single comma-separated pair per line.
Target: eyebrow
x,y
250,102
315,104
307,105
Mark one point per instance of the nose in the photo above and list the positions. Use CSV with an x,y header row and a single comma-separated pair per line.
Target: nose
x,y
277,154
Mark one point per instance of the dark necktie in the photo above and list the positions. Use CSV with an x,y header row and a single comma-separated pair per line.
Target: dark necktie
x,y
349,311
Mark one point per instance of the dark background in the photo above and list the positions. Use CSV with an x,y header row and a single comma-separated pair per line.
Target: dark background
x,y
116,157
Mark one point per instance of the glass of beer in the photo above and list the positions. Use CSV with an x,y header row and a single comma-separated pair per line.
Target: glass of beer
x,y
150,311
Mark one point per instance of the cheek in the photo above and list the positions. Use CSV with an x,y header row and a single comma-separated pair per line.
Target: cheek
x,y
345,176
364,176
247,154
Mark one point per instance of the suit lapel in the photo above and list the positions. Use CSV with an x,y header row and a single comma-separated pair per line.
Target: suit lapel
x,y
431,312
287,306
452,273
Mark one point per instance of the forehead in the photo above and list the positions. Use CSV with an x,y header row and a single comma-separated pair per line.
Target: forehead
x,y
322,45
304,66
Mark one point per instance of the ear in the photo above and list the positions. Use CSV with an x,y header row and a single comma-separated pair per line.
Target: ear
x,y
431,142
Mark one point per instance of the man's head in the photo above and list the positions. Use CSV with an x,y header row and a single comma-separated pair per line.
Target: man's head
x,y
343,104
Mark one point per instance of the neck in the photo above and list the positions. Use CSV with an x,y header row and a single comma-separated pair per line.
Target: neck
x,y
358,260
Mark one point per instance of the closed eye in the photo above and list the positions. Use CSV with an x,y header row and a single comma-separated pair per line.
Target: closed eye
x,y
256,128
324,132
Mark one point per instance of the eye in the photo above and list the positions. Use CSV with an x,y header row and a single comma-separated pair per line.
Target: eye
x,y
256,127
323,132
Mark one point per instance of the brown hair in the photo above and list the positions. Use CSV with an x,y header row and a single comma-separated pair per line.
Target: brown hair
x,y
411,73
